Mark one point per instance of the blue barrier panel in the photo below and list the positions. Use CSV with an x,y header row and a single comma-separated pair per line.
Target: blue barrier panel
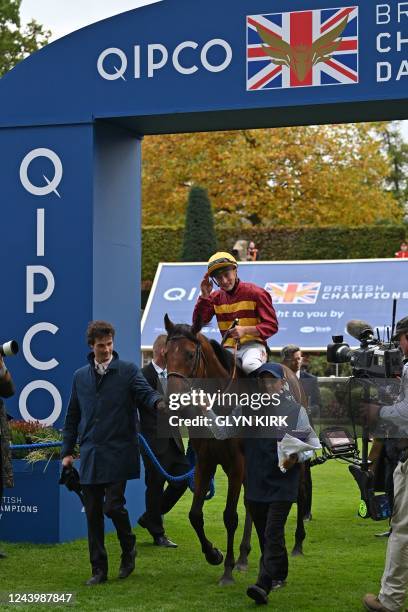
x,y
75,261
313,300
41,511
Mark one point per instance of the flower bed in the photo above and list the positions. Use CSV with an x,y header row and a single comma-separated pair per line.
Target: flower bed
x,y
33,432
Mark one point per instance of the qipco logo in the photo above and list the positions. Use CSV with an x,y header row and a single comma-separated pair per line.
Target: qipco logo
x,y
41,173
51,182
186,58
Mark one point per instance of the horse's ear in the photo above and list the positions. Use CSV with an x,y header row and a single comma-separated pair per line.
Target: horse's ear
x,y
197,325
169,326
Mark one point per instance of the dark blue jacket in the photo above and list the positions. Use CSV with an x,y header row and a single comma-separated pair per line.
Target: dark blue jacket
x,y
102,415
264,481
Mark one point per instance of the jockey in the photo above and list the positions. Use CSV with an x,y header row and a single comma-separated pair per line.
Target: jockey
x,y
234,299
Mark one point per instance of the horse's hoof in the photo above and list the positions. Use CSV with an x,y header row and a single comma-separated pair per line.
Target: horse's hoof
x,y
214,556
241,567
297,552
226,580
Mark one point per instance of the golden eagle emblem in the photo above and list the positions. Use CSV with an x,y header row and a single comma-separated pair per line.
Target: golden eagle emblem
x,y
301,58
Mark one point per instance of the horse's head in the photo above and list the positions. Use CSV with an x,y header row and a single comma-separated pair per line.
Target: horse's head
x,y
184,356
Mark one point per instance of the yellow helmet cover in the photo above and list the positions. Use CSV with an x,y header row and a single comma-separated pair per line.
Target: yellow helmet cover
x,y
220,260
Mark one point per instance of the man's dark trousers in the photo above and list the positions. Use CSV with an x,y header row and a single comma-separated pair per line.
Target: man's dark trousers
x,y
108,499
269,520
159,502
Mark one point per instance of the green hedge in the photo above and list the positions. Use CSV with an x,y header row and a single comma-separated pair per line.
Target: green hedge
x,y
164,243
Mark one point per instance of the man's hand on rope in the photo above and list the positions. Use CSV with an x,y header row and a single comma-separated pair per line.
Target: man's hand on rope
x,y
161,406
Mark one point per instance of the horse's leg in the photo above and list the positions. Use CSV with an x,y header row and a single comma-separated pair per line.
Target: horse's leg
x,y
245,546
300,532
231,522
201,485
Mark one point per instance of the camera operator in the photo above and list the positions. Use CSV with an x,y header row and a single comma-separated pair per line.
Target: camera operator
x,y
394,583
6,470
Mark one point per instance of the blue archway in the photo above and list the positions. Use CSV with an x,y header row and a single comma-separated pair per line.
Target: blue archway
x,y
71,122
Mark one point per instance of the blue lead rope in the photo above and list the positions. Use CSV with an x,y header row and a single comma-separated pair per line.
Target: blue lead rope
x,y
190,454
34,446
189,475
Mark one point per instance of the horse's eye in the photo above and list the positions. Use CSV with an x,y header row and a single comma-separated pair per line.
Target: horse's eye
x,y
189,355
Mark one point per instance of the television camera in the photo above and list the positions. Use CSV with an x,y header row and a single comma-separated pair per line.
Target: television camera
x,y
373,363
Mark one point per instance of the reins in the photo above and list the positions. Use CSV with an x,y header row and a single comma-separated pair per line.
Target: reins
x,y
237,346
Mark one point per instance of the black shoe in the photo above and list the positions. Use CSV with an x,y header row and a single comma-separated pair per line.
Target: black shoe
x,y
98,577
127,565
3,555
277,584
308,517
258,594
164,542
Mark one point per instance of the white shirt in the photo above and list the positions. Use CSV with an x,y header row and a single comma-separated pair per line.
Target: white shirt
x,y
102,367
162,373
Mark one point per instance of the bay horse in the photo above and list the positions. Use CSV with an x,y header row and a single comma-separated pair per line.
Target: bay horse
x,y
190,355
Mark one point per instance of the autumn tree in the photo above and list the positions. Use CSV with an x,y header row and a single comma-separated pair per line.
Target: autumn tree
x,y
17,42
397,150
303,176
200,241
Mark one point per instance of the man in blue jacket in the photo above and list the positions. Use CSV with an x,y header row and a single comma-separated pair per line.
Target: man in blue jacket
x,y
102,415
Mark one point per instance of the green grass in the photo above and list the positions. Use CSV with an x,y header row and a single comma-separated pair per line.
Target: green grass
x,y
342,561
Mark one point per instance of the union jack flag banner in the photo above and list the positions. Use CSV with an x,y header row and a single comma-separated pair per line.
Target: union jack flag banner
x,y
302,49
293,293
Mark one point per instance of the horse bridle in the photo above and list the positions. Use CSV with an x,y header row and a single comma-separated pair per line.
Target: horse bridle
x,y
198,356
